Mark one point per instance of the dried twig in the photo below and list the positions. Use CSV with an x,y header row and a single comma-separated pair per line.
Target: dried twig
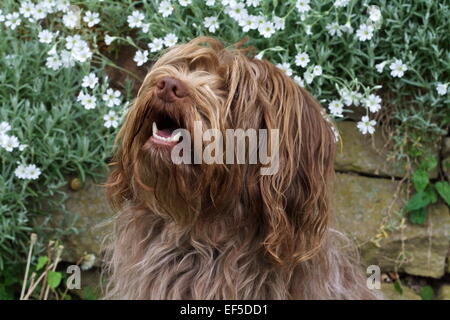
x,y
24,284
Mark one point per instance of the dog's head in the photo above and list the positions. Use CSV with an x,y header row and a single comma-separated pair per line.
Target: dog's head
x,y
224,88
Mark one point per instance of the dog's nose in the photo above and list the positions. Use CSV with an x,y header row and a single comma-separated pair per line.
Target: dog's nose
x,y
170,89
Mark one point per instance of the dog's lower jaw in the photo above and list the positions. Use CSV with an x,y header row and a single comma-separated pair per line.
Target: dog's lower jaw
x,y
153,258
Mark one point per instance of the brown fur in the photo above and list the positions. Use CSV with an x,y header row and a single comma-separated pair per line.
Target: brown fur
x,y
225,231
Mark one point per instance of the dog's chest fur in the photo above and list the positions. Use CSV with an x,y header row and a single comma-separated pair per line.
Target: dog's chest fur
x,y
153,259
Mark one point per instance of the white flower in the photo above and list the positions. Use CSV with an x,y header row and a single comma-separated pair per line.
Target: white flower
x,y
22,147
266,29
135,19
237,11
336,108
373,102
80,96
317,71
184,3
141,57
82,55
88,262
145,27
398,68
374,13
210,3
45,36
299,81
441,88
212,23
156,45
26,9
87,101
253,3
71,19
9,143
109,39
228,2
260,20
334,29
303,6
12,20
4,127
286,68
53,62
302,59
170,40
63,5
52,51
111,119
248,23
32,172
165,8
278,23
365,32
89,81
48,5
347,28
350,97
260,55
366,125
308,76
72,41
112,97
39,12
81,52
21,172
380,66
308,30
10,59
341,3
2,17
91,18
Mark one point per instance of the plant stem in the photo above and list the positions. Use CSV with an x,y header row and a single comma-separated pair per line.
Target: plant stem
x,y
24,284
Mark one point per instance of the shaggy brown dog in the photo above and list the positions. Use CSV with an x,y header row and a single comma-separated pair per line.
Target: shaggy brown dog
x,y
199,231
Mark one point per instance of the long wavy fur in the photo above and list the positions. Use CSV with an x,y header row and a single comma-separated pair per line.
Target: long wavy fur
x,y
225,231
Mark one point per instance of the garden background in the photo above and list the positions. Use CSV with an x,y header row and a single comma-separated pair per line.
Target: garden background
x,y
70,69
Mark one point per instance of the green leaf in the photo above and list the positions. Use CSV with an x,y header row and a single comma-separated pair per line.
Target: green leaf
x,y
89,294
418,216
398,286
6,293
443,188
429,163
54,279
67,297
420,200
42,261
427,293
431,194
420,179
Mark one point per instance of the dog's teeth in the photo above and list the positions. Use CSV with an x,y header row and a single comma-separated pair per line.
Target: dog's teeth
x,y
173,138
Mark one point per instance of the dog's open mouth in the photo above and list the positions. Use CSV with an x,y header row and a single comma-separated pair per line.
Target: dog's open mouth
x,y
163,130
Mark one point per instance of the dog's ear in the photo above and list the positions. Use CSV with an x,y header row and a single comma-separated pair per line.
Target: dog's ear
x,y
127,144
296,197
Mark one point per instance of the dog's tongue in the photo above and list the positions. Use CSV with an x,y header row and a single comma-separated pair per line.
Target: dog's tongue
x,y
166,133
